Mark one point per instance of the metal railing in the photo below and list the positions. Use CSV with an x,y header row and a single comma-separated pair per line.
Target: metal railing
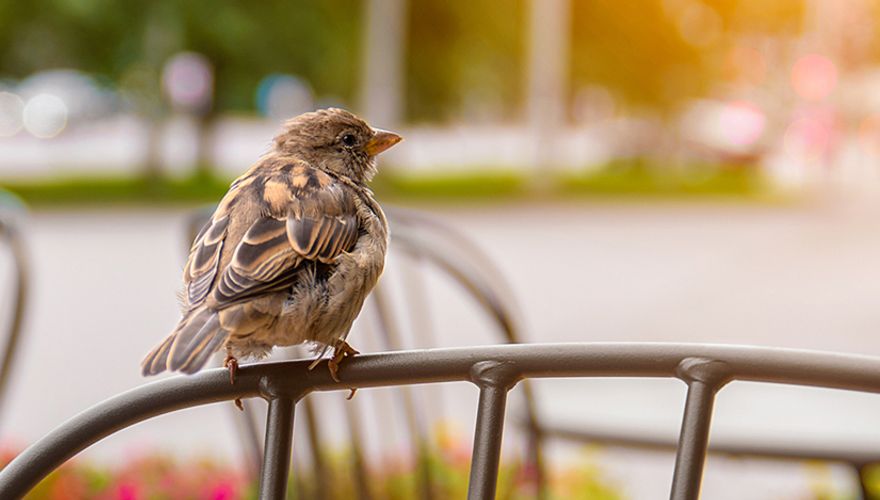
x,y
494,370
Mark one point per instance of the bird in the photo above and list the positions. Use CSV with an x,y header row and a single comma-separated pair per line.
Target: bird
x,y
290,253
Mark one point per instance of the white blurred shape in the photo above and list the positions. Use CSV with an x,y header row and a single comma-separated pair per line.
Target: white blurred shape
x,y
743,123
11,108
45,116
82,96
188,80
733,127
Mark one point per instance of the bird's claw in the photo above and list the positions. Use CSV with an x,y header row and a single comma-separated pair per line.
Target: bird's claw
x,y
231,364
341,350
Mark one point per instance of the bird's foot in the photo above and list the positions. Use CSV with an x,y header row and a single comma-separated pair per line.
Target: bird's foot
x,y
231,364
341,351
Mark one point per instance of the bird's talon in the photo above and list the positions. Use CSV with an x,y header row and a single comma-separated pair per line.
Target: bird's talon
x,y
351,394
341,350
239,404
333,367
231,364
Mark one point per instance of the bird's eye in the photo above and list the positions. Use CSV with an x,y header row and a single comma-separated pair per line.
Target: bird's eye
x,y
348,139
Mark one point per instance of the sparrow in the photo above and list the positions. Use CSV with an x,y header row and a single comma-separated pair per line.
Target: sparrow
x,y
291,252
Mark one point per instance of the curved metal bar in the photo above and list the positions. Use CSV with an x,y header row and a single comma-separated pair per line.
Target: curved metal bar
x,y
479,290
483,262
293,379
731,448
9,231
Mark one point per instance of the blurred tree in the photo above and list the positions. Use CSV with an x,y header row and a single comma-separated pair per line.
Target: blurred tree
x,y
634,49
465,59
316,39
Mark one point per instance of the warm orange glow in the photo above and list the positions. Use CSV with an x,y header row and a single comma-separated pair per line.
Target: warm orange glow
x,y
747,63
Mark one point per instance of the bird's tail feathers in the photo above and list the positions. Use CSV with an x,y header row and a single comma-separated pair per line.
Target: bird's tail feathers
x,y
190,345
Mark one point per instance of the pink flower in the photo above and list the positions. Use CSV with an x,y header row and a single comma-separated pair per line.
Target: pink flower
x,y
127,491
224,490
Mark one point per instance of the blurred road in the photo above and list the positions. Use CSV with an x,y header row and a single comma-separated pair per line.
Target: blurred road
x,y
805,276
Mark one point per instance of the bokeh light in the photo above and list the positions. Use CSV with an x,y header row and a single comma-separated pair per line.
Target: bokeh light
x,y
84,98
813,77
699,25
11,108
743,123
733,127
812,134
188,80
45,115
282,96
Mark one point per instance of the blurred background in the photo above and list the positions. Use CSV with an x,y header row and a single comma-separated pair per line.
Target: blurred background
x,y
660,170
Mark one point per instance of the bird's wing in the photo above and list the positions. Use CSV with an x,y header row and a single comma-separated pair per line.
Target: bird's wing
x,y
306,216
204,259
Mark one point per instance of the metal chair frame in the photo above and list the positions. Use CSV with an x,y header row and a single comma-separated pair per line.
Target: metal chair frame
x,y
10,213
495,370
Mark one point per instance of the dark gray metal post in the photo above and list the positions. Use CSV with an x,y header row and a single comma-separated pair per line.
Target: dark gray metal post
x,y
278,446
487,443
693,441
495,380
704,378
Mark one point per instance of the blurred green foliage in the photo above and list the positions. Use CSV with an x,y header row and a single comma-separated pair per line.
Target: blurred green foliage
x,y
317,39
461,57
635,177
465,57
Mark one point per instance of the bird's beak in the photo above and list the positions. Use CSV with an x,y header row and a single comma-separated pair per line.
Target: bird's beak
x,y
381,140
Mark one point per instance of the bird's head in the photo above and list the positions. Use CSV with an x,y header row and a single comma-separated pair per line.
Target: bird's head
x,y
336,141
